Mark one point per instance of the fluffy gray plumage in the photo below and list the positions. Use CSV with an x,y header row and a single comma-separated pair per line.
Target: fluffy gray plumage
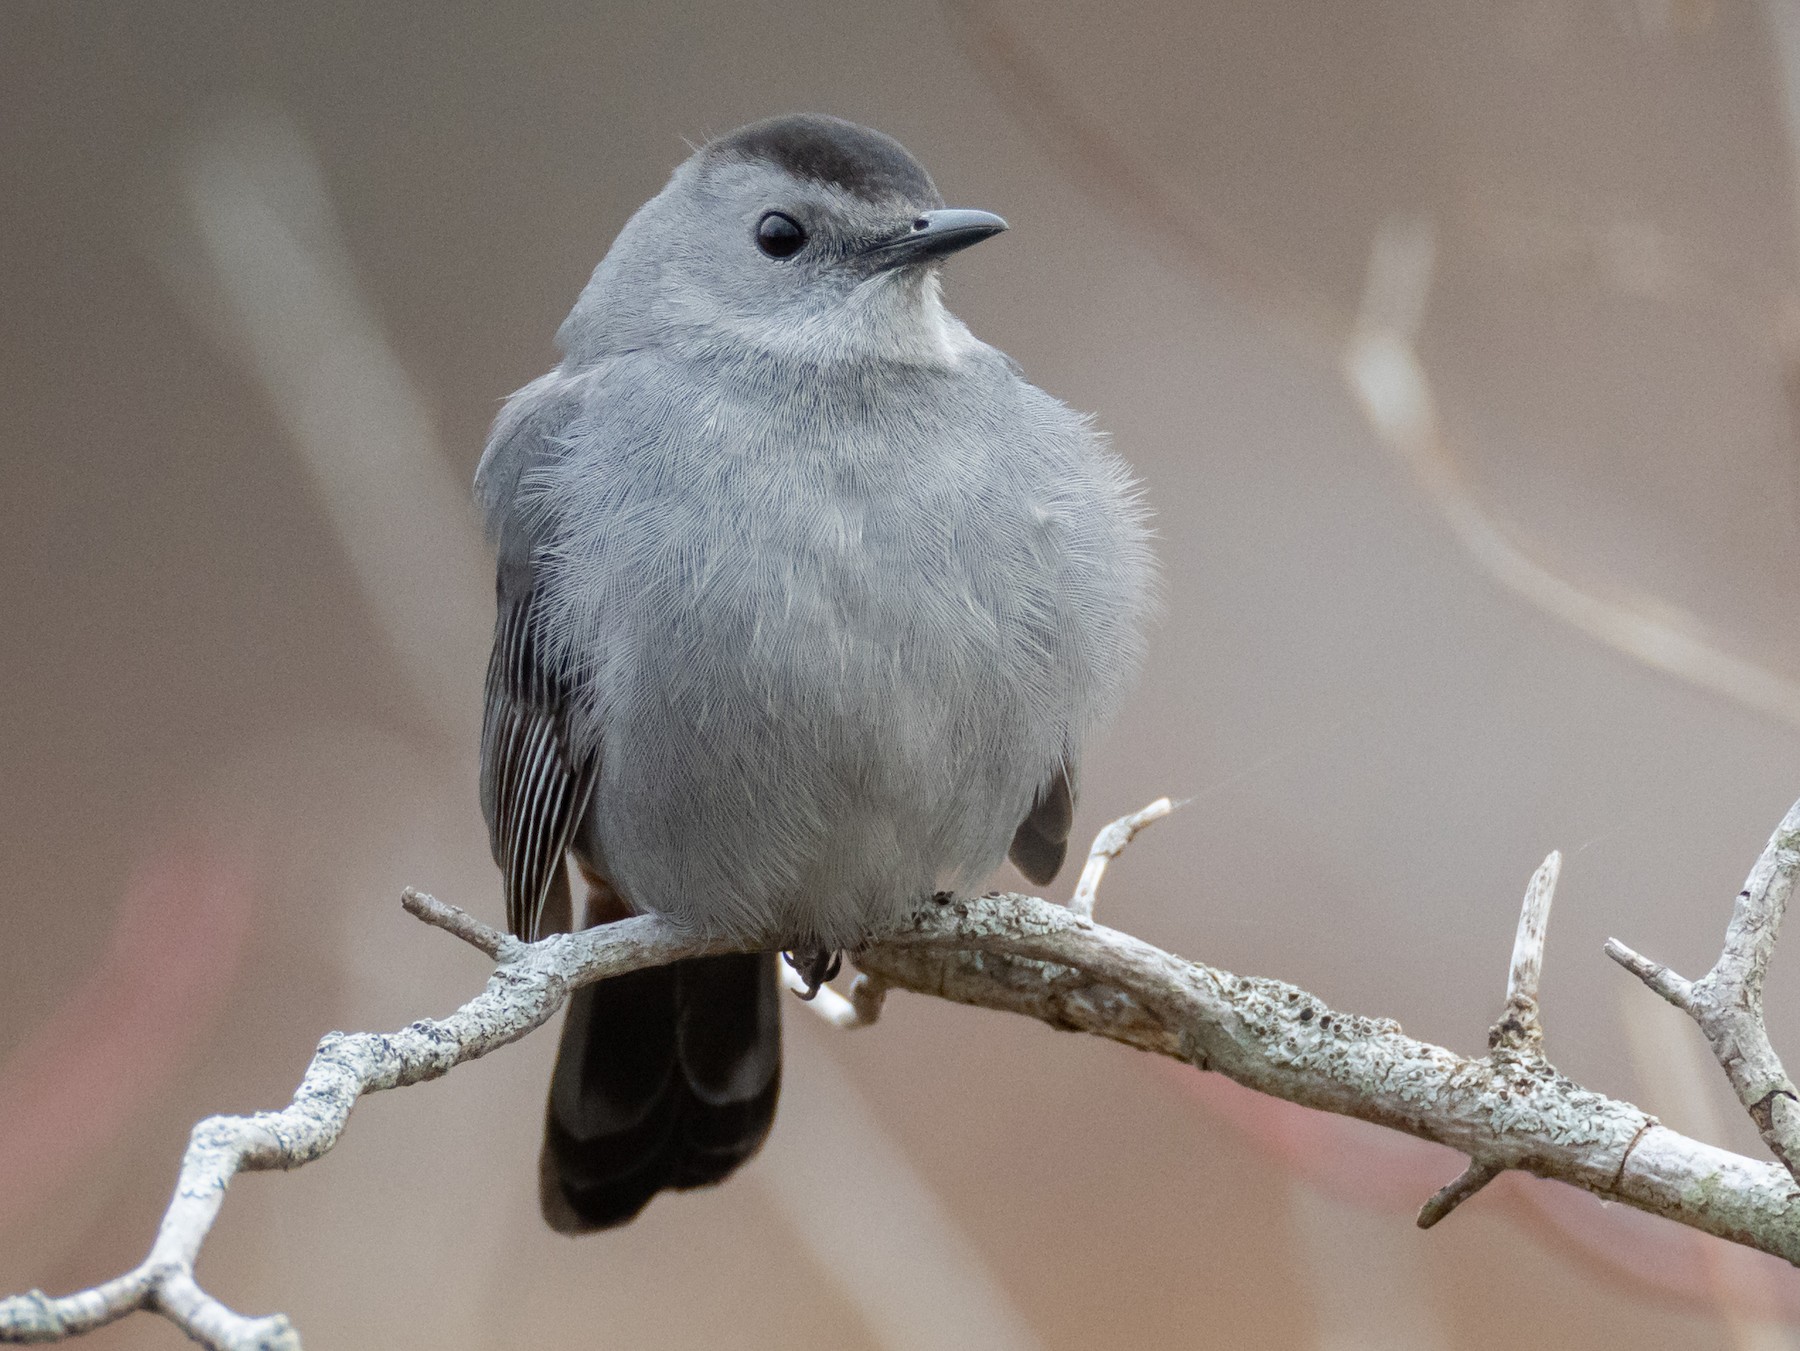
x,y
807,596
807,606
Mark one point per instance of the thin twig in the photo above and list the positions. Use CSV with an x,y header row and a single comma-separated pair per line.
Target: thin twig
x,y
1517,1040
1107,846
455,920
1520,1026
1678,990
1454,1192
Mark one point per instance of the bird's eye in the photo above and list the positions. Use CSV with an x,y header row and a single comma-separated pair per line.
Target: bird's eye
x,y
779,236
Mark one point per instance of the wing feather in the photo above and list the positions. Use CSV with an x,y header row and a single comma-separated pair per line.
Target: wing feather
x,y
535,779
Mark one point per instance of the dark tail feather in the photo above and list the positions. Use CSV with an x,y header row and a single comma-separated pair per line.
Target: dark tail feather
x,y
1042,838
666,1078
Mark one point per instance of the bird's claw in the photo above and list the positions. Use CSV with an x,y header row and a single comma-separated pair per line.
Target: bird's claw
x,y
815,967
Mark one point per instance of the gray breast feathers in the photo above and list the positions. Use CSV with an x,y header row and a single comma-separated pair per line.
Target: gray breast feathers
x,y
840,646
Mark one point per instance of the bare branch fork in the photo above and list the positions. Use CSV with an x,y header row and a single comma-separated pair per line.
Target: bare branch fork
x,y
1508,1109
1727,1002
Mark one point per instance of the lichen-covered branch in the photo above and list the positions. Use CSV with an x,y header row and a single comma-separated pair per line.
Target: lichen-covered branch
x,y
1506,1110
1021,954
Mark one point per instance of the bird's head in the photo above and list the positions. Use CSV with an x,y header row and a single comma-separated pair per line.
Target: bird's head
x,y
801,235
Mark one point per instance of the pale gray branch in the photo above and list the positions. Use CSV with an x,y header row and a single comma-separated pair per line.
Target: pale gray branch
x,y
1509,1109
1727,1002
1506,1110
527,987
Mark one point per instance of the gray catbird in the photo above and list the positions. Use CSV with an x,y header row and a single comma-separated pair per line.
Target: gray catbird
x,y
807,604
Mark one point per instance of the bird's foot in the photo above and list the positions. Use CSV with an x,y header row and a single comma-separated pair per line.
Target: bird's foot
x,y
815,967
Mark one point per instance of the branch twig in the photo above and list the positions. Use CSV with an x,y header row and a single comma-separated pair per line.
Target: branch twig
x,y
1519,1027
1727,1002
1518,1036
1454,1192
1108,845
455,920
1021,954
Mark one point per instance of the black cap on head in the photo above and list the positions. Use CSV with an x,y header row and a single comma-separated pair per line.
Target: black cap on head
x,y
830,150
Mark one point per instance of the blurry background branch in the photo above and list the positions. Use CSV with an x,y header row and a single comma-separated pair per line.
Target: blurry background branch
x,y
1377,350
1021,954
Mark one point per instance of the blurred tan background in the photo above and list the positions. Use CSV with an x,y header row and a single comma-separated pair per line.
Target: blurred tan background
x,y
1456,347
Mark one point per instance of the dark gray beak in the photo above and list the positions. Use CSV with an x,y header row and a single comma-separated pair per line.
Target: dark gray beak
x,y
935,234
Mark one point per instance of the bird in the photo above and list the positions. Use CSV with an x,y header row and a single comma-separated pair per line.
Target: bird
x,y
808,603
